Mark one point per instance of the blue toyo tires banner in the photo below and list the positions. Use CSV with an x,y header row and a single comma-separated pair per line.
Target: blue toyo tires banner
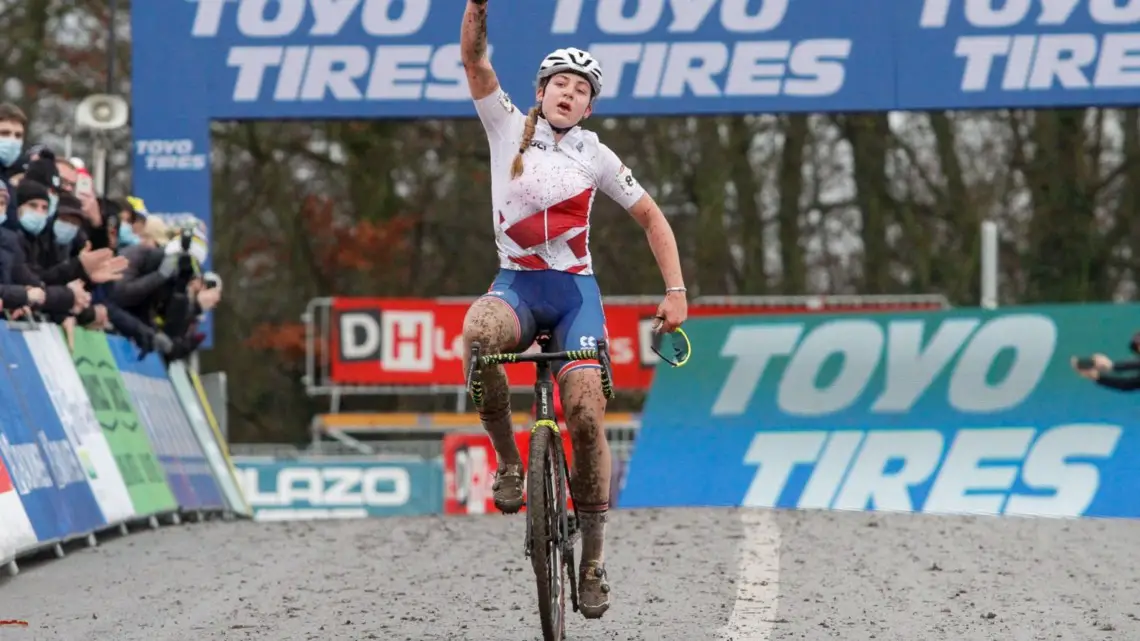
x,y
960,411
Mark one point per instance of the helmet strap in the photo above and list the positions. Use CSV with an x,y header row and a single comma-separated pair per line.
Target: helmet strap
x,y
557,130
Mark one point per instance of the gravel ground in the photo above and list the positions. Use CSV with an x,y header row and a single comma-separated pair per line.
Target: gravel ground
x,y
683,575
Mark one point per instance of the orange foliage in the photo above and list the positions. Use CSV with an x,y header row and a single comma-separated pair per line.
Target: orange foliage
x,y
363,246
287,340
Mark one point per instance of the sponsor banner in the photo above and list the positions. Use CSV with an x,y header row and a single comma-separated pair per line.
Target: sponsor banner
x,y
140,469
209,437
469,464
75,503
175,445
370,58
408,341
69,398
339,488
27,466
962,411
17,534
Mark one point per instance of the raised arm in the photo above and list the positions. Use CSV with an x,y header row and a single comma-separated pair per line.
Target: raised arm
x,y
481,77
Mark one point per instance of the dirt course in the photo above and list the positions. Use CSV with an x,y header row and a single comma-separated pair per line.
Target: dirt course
x,y
683,575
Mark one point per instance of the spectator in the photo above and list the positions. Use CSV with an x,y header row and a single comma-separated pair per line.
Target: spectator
x,y
162,286
155,233
132,223
32,204
65,249
13,124
1101,366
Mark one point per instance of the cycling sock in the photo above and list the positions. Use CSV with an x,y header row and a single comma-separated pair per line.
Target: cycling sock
x,y
592,521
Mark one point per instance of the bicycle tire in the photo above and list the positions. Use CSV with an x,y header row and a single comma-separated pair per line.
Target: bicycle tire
x,y
544,510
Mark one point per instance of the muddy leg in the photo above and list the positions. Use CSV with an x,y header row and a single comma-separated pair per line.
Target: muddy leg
x,y
492,324
585,413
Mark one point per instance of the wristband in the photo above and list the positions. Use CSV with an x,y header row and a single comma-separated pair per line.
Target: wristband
x,y
675,289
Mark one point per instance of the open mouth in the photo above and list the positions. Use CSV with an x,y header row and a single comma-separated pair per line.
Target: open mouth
x,y
563,108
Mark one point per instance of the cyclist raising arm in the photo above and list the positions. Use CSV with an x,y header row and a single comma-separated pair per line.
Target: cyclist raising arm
x,y
545,173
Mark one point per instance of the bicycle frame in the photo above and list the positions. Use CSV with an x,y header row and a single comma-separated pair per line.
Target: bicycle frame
x,y
545,419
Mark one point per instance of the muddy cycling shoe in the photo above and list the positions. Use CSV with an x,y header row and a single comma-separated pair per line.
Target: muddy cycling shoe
x,y
593,590
508,488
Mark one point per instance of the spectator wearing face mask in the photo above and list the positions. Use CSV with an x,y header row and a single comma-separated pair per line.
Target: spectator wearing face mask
x,y
12,295
132,221
39,167
31,204
57,254
13,125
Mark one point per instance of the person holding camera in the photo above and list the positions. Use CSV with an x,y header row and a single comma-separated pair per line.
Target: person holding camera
x,y
163,287
1101,370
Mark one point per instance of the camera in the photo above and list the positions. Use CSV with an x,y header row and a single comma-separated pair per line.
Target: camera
x,y
210,280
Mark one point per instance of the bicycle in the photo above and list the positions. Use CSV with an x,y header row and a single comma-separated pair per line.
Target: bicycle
x,y
550,528
549,525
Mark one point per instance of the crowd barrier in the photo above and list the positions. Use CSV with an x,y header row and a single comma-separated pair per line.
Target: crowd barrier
x,y
962,411
95,437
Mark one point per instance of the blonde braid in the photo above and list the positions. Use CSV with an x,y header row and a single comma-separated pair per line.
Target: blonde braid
x,y
528,134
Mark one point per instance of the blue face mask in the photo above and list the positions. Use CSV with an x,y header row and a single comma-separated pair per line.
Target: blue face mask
x,y
127,235
33,222
53,200
9,151
64,232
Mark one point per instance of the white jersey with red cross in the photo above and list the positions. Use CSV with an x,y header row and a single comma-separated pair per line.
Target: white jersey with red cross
x,y
542,218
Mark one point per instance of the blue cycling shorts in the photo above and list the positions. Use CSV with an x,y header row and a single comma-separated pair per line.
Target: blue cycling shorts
x,y
567,305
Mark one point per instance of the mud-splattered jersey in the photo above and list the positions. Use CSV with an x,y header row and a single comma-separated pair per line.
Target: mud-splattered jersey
x,y
542,218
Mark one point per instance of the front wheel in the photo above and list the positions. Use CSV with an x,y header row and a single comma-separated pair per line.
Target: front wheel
x,y
544,507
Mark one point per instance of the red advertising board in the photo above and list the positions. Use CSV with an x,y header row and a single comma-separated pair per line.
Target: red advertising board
x,y
469,464
419,342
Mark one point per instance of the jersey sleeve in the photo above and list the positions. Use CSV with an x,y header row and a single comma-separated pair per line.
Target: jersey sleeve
x,y
616,180
500,117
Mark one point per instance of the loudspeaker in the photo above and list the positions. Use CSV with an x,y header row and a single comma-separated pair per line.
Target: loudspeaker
x,y
102,112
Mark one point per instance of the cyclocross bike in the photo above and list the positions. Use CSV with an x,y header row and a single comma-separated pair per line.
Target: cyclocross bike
x,y
551,530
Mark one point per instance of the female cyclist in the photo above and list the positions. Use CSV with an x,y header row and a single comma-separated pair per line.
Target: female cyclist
x,y
545,173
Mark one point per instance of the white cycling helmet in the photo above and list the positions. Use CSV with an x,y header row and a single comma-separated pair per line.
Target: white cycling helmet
x,y
573,60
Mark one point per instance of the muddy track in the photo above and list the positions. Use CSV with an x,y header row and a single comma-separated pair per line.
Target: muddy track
x,y
684,575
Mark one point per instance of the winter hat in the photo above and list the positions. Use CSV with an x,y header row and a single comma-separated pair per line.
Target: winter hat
x,y
43,170
30,190
69,205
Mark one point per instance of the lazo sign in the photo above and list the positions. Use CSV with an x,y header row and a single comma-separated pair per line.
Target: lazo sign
x,y
961,411
332,488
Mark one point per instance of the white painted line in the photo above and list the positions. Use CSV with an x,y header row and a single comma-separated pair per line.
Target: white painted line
x,y
757,582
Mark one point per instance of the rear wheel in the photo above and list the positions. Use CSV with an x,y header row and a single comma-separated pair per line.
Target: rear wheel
x,y
544,507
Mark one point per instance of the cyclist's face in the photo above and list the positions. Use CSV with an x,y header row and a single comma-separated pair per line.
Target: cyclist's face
x,y
565,99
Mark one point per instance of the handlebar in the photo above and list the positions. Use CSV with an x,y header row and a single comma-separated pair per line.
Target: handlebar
x,y
600,354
